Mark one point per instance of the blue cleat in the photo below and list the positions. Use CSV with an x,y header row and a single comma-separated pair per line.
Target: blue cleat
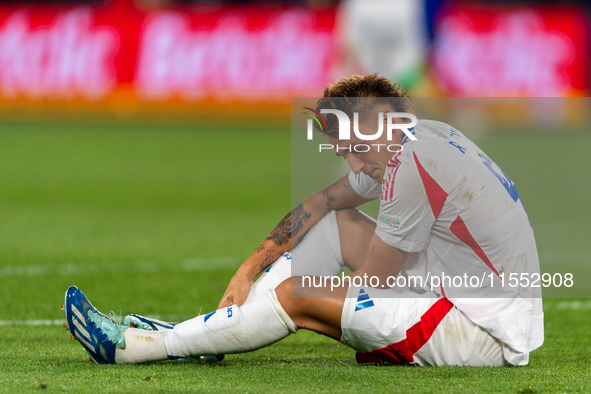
x,y
147,323
97,333
101,336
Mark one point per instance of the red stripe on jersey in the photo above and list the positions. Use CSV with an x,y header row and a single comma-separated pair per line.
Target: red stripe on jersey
x,y
416,337
384,183
435,193
441,287
388,185
459,229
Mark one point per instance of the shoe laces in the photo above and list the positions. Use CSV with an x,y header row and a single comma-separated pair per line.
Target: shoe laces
x,y
109,326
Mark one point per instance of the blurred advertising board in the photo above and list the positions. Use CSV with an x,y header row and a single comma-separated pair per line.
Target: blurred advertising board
x,y
116,57
510,50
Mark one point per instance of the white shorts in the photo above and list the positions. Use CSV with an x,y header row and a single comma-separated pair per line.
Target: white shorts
x,y
422,331
320,252
380,325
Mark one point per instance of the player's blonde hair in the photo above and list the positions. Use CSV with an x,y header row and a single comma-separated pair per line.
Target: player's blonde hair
x,y
360,93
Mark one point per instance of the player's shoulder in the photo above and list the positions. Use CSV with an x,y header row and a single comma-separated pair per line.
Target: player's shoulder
x,y
434,151
428,135
433,139
432,132
435,127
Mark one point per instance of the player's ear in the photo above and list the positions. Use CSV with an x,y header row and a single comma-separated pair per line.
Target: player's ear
x,y
385,117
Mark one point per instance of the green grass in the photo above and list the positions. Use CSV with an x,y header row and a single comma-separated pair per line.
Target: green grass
x,y
154,220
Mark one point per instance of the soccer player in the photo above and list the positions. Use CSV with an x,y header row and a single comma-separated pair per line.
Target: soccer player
x,y
447,212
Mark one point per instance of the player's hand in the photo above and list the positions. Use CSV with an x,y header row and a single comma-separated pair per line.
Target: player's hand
x,y
237,291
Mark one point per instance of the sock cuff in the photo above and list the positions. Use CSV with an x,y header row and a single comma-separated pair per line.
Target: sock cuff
x,y
175,344
280,312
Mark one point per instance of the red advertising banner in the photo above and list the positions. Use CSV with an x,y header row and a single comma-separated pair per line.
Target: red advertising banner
x,y
65,52
244,53
127,60
512,51
116,54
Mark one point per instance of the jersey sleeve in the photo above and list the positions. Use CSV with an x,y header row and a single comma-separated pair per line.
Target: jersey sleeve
x,y
364,185
405,217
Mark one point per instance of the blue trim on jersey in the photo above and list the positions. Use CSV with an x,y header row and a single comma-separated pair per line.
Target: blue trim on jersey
x,y
405,138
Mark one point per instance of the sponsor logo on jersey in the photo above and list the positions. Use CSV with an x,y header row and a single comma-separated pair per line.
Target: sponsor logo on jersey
x,y
363,301
390,221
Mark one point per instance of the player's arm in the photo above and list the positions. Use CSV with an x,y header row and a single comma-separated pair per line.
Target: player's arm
x,y
381,261
290,231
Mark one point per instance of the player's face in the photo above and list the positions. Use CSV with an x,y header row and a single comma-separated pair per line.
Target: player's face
x,y
369,157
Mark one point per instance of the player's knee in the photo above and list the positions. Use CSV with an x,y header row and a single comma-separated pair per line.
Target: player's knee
x,y
348,215
291,306
283,292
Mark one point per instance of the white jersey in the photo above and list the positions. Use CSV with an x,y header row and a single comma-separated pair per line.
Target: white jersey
x,y
458,213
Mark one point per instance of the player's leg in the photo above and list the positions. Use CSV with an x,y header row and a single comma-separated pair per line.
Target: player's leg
x,y
355,231
269,280
279,271
319,311
347,227
230,330
256,324
340,239
404,327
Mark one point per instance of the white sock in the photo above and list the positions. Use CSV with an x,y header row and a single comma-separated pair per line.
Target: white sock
x,y
270,279
231,330
141,346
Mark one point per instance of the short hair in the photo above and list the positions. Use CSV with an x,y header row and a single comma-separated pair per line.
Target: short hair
x,y
355,93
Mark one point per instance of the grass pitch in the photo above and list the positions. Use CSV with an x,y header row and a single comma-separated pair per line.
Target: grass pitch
x,y
154,220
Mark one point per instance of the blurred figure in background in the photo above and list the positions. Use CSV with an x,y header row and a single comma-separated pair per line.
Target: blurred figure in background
x,y
385,36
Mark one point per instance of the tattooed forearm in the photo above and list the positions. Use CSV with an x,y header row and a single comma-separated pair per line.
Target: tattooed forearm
x,y
268,260
300,216
281,234
329,201
347,186
303,235
260,249
290,225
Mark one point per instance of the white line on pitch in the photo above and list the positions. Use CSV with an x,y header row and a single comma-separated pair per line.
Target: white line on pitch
x,y
60,322
40,322
191,265
561,305
561,256
574,305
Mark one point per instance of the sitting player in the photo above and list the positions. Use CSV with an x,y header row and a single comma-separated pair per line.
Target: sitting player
x,y
446,212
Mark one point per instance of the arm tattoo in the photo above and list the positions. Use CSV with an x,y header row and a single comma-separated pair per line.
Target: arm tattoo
x,y
282,233
303,235
293,222
260,248
268,260
329,201
300,215
347,186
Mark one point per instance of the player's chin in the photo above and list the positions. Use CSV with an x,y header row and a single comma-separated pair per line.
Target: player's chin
x,y
377,175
